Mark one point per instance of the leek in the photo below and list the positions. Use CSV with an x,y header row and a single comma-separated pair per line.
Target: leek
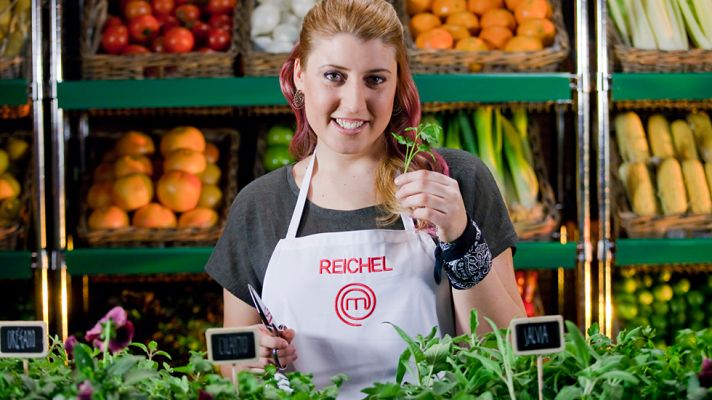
x,y
525,181
661,18
642,34
619,13
698,18
483,126
519,119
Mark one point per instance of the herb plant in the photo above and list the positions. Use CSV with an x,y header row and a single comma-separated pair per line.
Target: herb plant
x,y
418,139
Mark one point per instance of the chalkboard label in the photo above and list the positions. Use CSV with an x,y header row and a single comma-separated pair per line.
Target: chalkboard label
x,y
232,345
23,339
537,335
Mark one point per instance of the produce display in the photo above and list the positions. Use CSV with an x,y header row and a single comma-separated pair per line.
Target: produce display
x,y
165,26
528,287
481,25
663,24
503,145
667,301
277,153
12,156
181,179
275,24
666,169
14,26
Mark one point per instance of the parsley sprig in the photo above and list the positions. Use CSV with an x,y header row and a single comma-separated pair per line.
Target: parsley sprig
x,y
424,136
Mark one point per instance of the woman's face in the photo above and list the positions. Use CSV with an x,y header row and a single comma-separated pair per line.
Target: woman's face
x,y
349,86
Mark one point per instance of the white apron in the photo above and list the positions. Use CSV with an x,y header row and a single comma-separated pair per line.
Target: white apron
x,y
337,289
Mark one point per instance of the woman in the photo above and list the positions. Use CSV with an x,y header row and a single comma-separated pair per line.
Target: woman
x,y
328,241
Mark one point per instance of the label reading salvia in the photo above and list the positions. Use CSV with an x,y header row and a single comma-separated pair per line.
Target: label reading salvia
x,y
232,345
537,335
23,339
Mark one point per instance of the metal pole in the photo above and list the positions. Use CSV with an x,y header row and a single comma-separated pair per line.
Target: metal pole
x,y
604,165
39,197
583,90
58,153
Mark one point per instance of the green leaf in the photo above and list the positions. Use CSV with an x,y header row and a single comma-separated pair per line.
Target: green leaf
x,y
474,321
569,393
140,346
83,360
400,139
417,353
437,352
137,375
581,348
122,365
403,362
620,375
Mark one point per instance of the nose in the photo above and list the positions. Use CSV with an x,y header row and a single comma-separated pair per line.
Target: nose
x,y
353,96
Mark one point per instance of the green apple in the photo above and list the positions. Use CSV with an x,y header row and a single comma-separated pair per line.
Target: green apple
x,y
276,157
279,135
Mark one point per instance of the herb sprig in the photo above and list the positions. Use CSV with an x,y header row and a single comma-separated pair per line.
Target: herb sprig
x,y
424,137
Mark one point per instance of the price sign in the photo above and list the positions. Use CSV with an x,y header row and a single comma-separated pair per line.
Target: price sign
x,y
23,339
232,345
537,335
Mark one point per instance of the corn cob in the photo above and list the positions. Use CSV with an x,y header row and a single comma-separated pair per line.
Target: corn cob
x,y
697,190
702,130
631,137
671,188
659,137
683,140
708,172
640,188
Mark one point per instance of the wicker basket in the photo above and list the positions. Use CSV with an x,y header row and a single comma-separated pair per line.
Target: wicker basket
x,y
639,60
11,68
224,139
151,65
455,61
659,226
255,62
13,237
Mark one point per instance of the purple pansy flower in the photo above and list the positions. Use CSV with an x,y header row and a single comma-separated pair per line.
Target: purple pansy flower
x,y
122,332
69,344
203,395
85,391
705,375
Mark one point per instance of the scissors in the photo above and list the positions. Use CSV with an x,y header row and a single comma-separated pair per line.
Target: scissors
x,y
267,321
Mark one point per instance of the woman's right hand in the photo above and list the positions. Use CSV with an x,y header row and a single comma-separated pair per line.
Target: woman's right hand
x,y
285,351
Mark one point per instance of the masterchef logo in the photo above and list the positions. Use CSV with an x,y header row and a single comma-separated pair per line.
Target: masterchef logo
x,y
353,265
354,303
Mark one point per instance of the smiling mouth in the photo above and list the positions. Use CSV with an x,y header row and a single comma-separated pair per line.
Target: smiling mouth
x,y
349,123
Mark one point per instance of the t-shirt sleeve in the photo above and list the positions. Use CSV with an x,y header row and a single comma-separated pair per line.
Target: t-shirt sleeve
x,y
482,199
255,223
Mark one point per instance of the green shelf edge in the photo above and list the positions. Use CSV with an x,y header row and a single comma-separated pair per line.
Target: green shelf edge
x,y
265,91
13,92
661,86
137,261
662,251
15,265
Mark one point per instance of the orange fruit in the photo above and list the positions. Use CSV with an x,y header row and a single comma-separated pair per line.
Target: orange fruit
x,y
179,190
134,143
185,160
528,9
540,28
132,191
464,18
523,43
104,172
498,17
423,22
210,196
417,6
512,4
438,38
211,175
183,137
480,7
496,37
212,154
154,215
110,217
471,44
99,195
443,8
457,31
198,218
127,165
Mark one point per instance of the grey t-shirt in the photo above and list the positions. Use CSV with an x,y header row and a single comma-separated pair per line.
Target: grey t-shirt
x,y
260,215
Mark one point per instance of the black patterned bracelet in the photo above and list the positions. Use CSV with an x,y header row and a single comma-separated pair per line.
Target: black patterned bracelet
x,y
467,260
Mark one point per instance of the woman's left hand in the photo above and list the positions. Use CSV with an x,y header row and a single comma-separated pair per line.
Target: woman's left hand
x,y
436,198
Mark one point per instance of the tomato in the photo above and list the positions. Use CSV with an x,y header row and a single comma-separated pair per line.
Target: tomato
x,y
162,7
188,14
144,28
136,8
114,39
220,6
135,49
218,39
178,40
157,45
200,31
221,21
167,22
112,21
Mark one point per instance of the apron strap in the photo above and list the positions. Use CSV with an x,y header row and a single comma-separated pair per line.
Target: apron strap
x,y
302,199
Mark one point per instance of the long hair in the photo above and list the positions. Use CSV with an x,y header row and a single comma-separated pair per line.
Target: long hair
x,y
366,20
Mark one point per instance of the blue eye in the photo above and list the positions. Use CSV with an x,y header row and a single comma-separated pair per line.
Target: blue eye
x,y
334,76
